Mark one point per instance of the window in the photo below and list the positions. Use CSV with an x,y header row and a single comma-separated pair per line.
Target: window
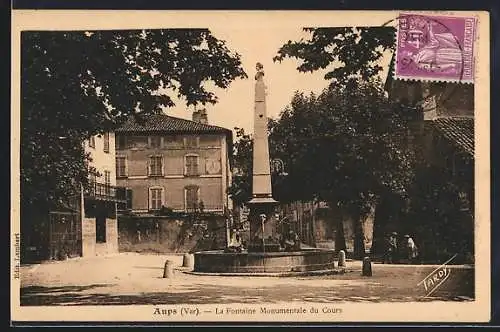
x,y
121,167
121,142
106,142
192,194
107,177
92,142
191,165
155,198
107,182
155,142
191,141
155,166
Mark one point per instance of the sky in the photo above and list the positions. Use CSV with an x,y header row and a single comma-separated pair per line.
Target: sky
x,y
235,106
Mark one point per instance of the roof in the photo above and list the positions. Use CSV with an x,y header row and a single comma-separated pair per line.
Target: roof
x,y
459,130
166,123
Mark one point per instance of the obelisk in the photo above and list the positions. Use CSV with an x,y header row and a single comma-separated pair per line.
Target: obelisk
x,y
261,217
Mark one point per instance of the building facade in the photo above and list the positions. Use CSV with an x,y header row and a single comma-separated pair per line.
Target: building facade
x,y
173,164
87,225
99,201
441,132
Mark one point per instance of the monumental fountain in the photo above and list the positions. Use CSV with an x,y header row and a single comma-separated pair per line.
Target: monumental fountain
x,y
264,254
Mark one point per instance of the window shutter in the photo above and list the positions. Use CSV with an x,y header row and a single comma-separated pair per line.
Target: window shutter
x,y
125,160
162,197
149,199
149,166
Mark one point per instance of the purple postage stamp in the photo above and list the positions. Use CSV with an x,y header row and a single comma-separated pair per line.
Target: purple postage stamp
x,y
435,48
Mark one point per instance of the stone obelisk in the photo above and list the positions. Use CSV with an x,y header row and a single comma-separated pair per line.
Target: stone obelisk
x,y
262,204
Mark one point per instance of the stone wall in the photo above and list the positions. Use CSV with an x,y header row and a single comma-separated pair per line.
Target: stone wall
x,y
171,234
88,237
89,245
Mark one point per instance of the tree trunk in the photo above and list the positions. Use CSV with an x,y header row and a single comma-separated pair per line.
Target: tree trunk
x,y
359,243
378,231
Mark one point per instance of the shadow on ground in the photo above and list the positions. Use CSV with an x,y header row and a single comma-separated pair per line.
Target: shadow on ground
x,y
216,294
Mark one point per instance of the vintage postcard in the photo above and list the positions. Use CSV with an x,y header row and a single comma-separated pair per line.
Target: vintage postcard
x,y
250,166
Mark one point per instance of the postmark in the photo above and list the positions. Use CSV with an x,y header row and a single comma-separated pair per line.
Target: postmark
x,y
435,48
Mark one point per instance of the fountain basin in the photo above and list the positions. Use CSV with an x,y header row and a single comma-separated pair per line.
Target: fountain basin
x,y
221,262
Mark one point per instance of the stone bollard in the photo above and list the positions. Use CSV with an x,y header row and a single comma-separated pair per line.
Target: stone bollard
x,y
367,267
341,258
168,271
188,260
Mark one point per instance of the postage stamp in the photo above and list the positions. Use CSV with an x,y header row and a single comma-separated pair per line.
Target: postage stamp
x,y
435,48
155,181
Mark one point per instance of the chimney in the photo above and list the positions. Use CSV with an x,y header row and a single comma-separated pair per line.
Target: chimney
x,y
200,116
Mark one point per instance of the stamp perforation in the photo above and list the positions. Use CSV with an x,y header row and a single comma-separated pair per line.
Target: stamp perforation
x,y
445,56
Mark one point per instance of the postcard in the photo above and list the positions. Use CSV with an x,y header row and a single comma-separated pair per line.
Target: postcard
x,y
250,166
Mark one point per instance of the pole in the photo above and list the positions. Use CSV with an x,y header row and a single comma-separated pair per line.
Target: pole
x,y
262,219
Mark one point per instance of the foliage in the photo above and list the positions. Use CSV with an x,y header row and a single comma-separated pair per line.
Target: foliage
x,y
241,187
342,146
352,51
78,84
441,224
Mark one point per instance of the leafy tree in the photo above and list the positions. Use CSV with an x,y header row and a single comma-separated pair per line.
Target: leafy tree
x,y
344,147
77,84
351,51
241,187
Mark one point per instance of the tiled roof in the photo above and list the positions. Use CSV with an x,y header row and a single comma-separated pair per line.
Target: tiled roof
x,y
459,130
166,123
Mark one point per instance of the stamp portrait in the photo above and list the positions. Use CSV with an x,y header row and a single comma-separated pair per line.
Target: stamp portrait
x,y
439,48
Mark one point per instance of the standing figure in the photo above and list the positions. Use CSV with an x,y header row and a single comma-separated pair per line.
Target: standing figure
x,y
391,248
411,249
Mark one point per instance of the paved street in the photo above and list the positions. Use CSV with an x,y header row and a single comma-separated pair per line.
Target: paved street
x,y
131,278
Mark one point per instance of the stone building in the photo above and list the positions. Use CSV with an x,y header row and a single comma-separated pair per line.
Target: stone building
x,y
441,132
99,213
172,163
176,173
87,225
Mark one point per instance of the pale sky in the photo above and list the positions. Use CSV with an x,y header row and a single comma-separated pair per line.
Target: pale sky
x,y
235,106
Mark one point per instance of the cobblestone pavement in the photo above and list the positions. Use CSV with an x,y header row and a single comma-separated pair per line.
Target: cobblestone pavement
x,y
130,278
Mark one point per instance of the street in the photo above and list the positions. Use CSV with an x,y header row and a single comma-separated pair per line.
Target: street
x,y
130,278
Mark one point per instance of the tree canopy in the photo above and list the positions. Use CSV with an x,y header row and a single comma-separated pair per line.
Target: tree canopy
x,y
76,84
351,51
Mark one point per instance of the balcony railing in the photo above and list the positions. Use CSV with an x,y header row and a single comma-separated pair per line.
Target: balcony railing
x,y
106,192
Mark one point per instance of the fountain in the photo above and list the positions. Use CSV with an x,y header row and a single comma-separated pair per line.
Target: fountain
x,y
264,255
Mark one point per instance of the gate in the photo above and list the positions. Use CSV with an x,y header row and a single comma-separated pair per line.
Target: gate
x,y
65,233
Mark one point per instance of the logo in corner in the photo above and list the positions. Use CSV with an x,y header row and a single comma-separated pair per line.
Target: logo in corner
x,y
436,278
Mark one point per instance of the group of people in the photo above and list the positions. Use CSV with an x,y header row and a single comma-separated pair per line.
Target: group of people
x,y
397,250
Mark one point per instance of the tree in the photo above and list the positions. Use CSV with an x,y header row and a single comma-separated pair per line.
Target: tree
x,y
344,147
78,84
241,187
352,51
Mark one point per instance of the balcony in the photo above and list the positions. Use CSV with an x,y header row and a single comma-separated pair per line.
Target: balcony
x,y
106,192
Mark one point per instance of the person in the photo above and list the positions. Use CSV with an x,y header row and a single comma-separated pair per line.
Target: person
x,y
235,244
391,248
411,249
292,243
